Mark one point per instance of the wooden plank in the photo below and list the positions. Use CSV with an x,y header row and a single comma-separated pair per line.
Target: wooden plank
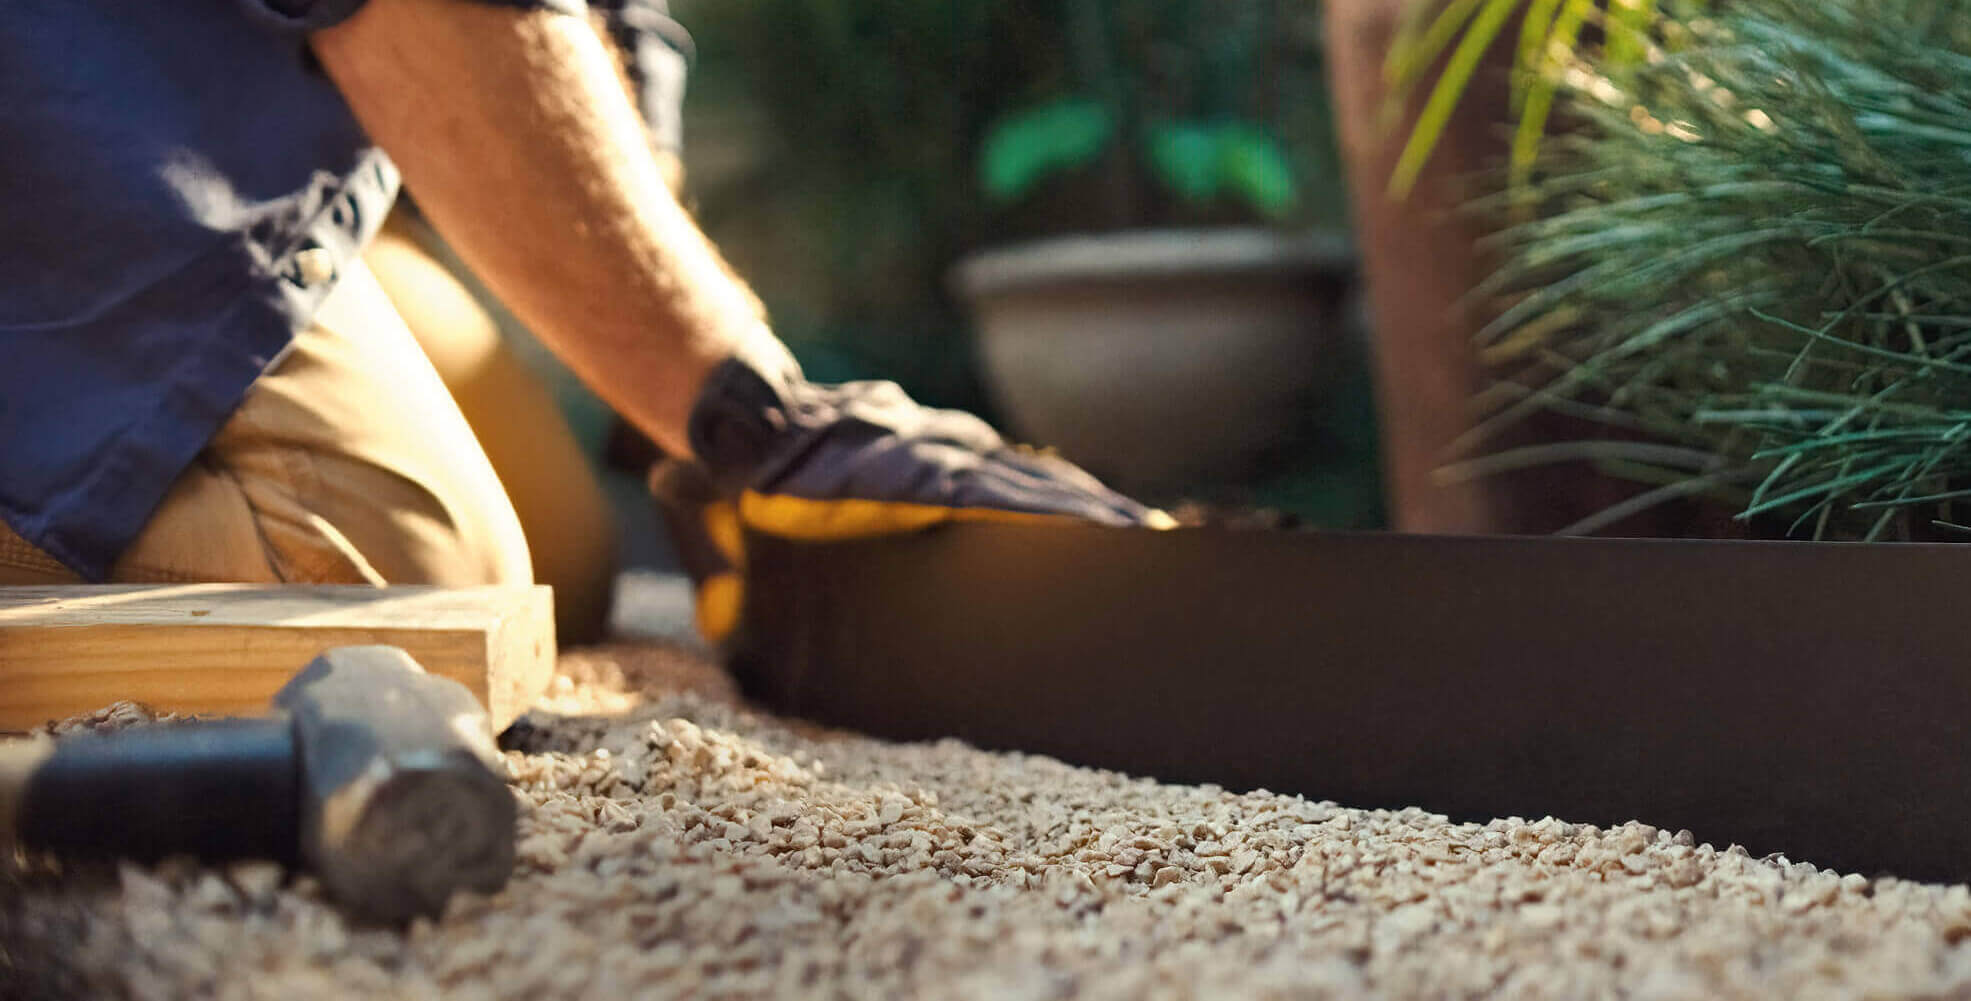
x,y
226,648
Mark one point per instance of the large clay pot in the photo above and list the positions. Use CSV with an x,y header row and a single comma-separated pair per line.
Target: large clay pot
x,y
1157,358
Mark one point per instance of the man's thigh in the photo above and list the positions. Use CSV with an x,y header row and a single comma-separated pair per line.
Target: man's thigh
x,y
351,450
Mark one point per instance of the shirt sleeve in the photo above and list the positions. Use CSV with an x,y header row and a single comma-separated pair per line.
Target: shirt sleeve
x,y
656,53
313,15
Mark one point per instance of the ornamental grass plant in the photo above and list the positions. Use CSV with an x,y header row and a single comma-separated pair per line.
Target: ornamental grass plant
x,y
1751,260
1444,43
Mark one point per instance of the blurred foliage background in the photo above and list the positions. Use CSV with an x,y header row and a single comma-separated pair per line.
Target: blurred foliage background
x,y
845,153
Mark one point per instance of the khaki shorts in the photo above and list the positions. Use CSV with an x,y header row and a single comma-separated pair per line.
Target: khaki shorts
x,y
347,463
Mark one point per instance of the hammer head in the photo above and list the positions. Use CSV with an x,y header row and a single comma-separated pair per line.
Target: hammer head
x,y
402,799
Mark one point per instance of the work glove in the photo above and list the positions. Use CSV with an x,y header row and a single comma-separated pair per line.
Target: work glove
x,y
780,456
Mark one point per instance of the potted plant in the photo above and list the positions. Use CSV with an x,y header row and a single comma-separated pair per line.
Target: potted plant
x,y
1185,299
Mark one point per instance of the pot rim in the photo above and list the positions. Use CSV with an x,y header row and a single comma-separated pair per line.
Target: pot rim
x,y
1138,254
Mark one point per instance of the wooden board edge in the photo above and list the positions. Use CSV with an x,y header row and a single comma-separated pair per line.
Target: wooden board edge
x,y
520,656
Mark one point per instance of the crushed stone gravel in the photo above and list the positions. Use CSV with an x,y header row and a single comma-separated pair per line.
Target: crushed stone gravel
x,y
674,842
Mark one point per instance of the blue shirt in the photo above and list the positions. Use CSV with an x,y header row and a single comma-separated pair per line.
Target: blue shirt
x,y
179,185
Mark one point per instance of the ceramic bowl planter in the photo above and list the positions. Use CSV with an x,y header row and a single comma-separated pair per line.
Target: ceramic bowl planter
x,y
1157,358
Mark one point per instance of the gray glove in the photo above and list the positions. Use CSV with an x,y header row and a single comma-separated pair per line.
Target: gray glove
x,y
781,456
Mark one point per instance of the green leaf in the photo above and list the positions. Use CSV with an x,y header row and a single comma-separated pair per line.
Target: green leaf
x,y
1200,162
1186,158
1256,166
1024,148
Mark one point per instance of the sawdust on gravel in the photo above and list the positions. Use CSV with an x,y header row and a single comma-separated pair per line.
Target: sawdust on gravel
x,y
674,843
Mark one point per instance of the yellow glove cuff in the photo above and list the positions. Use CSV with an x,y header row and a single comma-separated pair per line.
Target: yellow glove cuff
x,y
807,520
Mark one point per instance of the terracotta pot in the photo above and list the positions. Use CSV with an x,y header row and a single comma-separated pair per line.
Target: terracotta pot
x,y
1421,258
1157,358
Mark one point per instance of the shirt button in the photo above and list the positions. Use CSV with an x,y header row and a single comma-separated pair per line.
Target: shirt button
x,y
314,266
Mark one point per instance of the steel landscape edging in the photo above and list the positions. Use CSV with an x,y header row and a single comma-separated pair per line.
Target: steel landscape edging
x,y
1804,698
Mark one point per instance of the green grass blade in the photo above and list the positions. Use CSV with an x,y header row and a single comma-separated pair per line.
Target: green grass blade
x,y
1410,55
1628,26
1542,83
1823,489
1534,31
1448,92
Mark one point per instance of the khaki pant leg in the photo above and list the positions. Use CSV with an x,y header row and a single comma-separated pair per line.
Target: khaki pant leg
x,y
23,565
570,528
348,462
206,512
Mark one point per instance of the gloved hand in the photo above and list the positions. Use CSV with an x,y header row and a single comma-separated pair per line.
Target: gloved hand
x,y
782,456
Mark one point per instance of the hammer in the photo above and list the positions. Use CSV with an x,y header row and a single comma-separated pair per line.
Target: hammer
x,y
381,778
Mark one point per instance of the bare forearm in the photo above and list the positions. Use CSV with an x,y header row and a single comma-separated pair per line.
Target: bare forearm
x,y
520,145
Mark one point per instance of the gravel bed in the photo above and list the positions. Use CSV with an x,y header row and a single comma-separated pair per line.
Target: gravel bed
x,y
676,843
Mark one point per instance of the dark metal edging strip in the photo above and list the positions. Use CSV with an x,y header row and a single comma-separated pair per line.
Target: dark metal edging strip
x,y
1796,697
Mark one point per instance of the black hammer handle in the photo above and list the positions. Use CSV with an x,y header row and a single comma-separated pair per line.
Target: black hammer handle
x,y
216,789
381,778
